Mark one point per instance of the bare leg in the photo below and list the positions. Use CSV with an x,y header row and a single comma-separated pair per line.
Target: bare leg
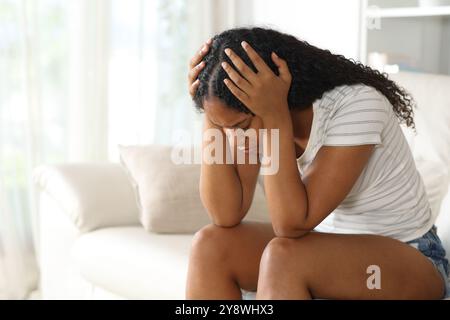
x,y
223,260
334,266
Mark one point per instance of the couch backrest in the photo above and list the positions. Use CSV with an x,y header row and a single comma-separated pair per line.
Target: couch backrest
x,y
432,115
432,141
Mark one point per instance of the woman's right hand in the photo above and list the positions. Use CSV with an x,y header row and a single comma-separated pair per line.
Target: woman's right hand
x,y
195,66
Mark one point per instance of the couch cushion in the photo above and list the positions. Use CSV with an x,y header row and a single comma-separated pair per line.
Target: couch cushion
x,y
133,263
93,195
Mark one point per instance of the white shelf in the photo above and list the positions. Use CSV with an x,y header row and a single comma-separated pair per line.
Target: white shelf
x,y
408,12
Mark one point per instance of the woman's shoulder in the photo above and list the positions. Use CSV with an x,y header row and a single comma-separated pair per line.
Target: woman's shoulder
x,y
357,116
344,96
345,93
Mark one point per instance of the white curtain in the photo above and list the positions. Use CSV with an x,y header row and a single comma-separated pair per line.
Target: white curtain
x,y
148,99
19,125
79,77
52,110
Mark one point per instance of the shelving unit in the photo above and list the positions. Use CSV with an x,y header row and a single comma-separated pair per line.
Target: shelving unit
x,y
408,12
413,37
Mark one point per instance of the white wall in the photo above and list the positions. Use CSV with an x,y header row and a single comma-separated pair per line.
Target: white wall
x,y
328,24
445,49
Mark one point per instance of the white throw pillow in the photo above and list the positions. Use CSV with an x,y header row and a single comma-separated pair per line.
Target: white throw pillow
x,y
167,193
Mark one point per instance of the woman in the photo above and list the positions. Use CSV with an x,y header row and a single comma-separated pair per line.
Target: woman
x,y
350,218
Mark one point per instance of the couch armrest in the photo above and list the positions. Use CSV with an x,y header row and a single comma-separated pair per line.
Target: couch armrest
x,y
93,195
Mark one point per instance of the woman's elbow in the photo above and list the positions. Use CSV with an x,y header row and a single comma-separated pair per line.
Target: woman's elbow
x,y
225,219
287,230
225,222
293,234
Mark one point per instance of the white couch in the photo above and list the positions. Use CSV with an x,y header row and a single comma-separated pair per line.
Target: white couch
x,y
91,244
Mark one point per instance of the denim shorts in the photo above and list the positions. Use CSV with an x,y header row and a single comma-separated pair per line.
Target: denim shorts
x,y
430,245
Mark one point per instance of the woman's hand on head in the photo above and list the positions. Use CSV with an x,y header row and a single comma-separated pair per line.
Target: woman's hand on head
x,y
195,66
264,93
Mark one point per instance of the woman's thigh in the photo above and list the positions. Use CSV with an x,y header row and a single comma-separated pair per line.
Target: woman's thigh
x,y
237,249
336,266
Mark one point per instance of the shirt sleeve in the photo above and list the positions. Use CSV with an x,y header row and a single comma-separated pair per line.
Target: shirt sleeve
x,y
359,120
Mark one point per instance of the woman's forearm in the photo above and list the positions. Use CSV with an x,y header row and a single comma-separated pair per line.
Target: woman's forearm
x,y
285,191
220,191
227,189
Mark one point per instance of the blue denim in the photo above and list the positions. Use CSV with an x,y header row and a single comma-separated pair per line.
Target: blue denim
x,y
430,245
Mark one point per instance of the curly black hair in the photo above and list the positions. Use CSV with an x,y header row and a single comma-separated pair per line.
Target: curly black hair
x,y
314,71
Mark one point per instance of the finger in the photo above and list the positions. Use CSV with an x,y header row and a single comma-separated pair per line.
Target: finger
x,y
242,83
193,73
238,93
199,55
240,65
259,63
193,88
283,68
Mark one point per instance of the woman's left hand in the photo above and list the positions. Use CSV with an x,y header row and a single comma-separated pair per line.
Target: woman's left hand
x,y
264,93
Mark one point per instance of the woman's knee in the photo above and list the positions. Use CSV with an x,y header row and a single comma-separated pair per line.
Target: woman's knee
x,y
211,241
281,253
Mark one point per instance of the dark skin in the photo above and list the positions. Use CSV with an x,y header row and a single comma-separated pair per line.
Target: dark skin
x,y
286,259
301,121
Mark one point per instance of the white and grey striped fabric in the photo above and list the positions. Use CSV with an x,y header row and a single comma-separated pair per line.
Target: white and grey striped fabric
x,y
389,197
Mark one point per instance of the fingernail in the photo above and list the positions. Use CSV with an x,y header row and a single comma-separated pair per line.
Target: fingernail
x,y
227,51
276,56
224,65
244,44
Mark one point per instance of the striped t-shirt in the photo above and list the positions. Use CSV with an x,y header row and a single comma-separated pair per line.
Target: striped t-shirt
x,y
389,196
